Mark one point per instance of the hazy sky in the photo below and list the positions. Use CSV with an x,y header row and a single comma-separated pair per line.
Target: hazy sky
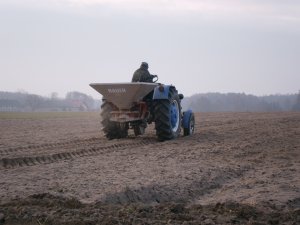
x,y
198,45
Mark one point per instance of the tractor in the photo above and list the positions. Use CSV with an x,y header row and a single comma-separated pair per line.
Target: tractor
x,y
134,105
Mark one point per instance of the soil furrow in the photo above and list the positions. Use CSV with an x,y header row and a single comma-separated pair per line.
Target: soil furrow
x,y
9,163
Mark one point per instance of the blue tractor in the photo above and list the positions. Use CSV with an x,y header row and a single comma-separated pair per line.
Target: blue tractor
x,y
134,105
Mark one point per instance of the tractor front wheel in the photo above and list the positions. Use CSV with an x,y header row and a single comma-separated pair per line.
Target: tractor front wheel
x,y
189,130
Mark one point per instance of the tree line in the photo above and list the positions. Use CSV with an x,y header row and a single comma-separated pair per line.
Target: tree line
x,y
25,102
208,102
240,102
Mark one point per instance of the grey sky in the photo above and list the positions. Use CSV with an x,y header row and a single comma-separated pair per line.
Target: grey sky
x,y
199,46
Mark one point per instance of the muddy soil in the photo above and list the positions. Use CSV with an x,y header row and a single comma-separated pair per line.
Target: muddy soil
x,y
238,168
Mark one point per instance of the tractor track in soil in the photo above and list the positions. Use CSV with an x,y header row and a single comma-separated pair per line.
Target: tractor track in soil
x,y
94,147
6,151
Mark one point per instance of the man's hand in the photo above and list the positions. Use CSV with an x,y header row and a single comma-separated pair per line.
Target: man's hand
x,y
154,76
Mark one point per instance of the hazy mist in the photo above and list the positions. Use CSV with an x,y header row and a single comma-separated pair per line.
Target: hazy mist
x,y
199,46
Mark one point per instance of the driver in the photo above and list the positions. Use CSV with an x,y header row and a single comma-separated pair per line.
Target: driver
x,y
142,74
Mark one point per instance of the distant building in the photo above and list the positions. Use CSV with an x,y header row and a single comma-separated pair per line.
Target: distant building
x,y
76,105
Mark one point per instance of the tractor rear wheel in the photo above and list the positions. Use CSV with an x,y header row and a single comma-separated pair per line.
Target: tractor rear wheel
x,y
168,116
111,129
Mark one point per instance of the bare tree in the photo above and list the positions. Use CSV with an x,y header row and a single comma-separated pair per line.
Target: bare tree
x,y
34,101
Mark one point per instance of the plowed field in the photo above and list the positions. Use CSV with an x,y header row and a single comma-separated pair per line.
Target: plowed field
x,y
238,168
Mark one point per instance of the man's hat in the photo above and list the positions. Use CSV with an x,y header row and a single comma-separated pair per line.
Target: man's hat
x,y
144,65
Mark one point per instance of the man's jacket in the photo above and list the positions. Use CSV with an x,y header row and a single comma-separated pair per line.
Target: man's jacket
x,y
142,75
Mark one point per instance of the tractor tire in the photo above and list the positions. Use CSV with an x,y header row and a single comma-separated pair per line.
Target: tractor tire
x,y
191,126
111,129
168,116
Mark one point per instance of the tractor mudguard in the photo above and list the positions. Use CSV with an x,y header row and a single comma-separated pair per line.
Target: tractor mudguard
x,y
161,94
186,118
